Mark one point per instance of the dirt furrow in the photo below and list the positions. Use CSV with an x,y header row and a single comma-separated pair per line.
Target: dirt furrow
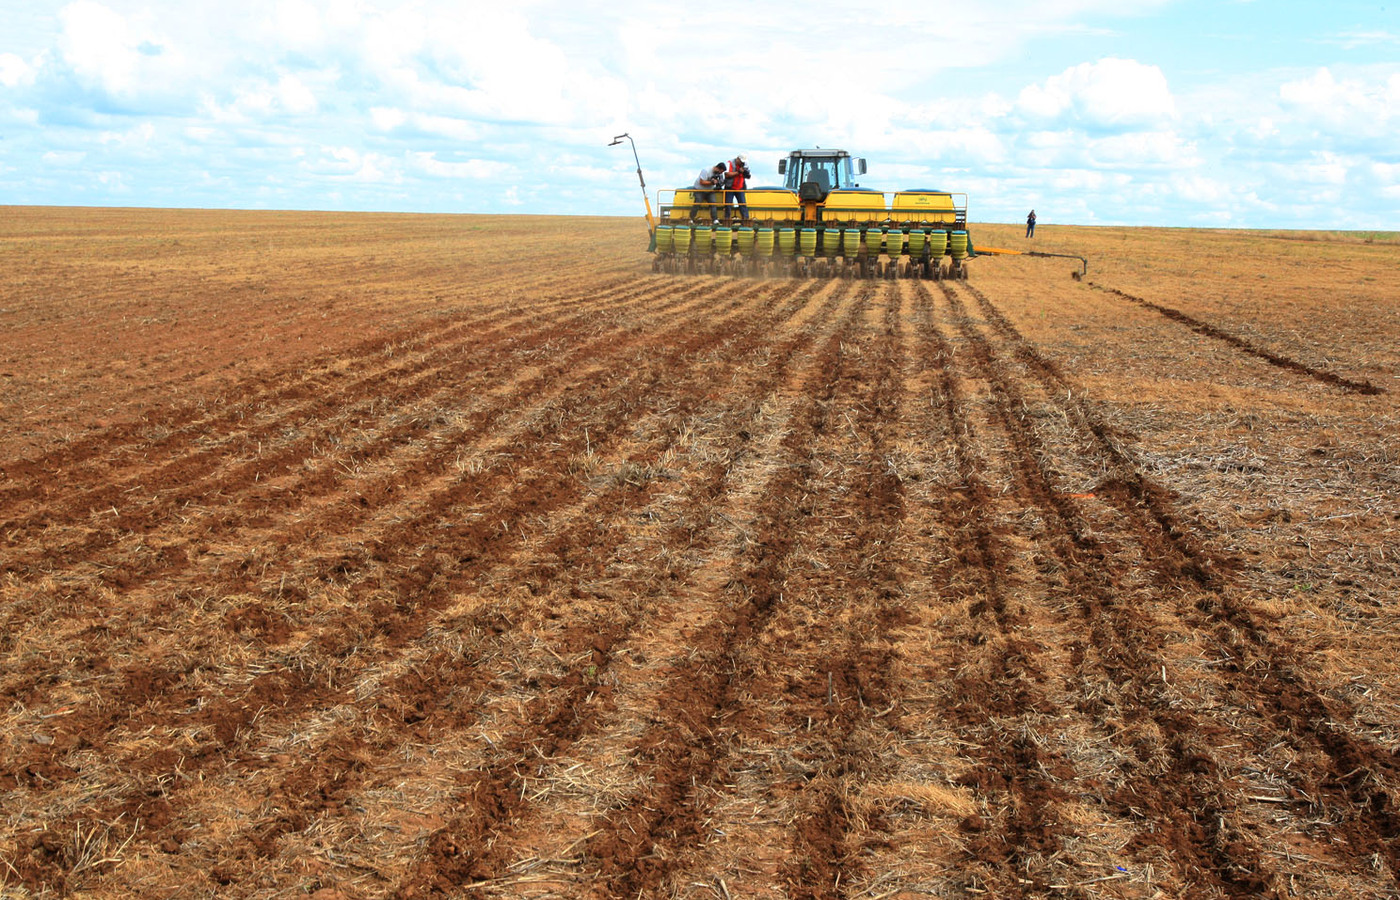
x,y
219,711
191,440
999,688
689,528
640,845
241,580
489,423
561,704
348,298
908,806
782,814
372,556
371,465
1197,820
840,615
481,848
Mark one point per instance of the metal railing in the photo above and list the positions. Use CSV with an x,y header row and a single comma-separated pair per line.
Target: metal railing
x,y
887,215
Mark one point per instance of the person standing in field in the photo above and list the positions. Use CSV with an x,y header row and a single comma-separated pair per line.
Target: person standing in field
x,y
710,178
1030,224
735,181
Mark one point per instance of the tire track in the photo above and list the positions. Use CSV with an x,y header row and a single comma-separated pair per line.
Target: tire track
x,y
1248,347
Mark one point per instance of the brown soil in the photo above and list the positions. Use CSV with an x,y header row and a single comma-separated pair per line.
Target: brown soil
x,y
405,556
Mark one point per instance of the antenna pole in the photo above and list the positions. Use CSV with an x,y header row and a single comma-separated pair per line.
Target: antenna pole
x,y
651,221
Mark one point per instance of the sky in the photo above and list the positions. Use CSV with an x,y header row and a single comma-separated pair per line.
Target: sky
x,y
1231,113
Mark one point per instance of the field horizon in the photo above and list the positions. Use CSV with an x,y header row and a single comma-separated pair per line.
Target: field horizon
x,y
1373,235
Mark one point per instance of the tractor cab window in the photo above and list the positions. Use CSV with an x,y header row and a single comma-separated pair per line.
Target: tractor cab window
x,y
828,172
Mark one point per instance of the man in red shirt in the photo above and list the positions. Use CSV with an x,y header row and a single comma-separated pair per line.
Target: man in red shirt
x,y
735,181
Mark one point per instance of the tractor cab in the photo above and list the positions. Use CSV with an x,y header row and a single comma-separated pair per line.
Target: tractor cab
x,y
815,173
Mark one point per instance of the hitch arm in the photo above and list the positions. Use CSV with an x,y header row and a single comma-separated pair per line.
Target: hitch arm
x,y
1000,251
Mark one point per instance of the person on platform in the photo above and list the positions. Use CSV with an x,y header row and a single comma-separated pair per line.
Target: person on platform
x,y
705,192
736,179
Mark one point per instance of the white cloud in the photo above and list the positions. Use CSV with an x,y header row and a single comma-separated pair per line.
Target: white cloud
x,y
20,116
64,157
298,24
352,164
1087,181
471,169
399,123
966,142
98,46
261,99
1323,168
1202,190
494,66
15,72
1350,106
386,118
1264,129
1351,40
106,51
1144,149
137,137
294,96
1386,173
115,182
1110,93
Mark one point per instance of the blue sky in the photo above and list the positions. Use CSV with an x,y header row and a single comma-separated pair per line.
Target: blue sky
x,y
1140,112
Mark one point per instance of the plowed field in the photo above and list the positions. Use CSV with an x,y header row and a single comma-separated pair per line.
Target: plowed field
x,y
370,556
